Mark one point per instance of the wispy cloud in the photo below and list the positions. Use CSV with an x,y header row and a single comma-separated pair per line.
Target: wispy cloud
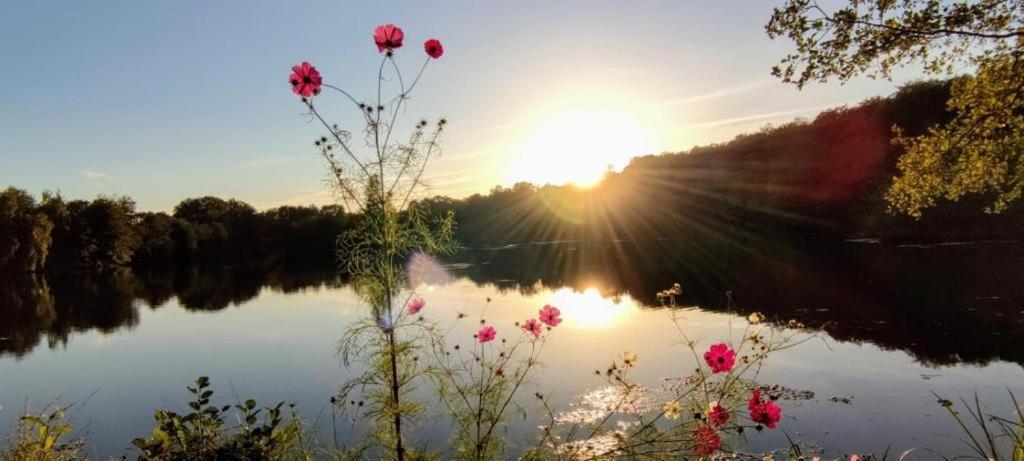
x,y
756,117
96,176
724,92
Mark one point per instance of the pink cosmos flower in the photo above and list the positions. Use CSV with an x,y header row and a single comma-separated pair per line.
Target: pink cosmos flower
x,y
718,415
433,48
388,37
706,441
763,411
720,358
415,305
532,326
854,457
486,334
550,315
305,80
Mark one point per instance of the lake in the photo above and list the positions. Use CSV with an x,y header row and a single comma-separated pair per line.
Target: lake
x,y
896,323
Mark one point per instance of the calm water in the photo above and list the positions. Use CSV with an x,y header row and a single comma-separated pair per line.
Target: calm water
x,y
898,323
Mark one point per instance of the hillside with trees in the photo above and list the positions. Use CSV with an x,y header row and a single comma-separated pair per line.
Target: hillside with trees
x,y
817,180
823,179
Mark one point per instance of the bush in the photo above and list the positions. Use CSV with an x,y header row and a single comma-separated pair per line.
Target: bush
x,y
43,437
201,434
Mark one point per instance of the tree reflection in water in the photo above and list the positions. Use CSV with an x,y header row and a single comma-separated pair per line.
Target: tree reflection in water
x,y
943,304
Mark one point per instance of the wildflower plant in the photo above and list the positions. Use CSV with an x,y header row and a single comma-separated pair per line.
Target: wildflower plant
x,y
479,384
708,415
378,176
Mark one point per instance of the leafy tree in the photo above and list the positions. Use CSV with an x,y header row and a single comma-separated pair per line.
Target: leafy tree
x,y
157,242
979,151
224,229
24,233
97,234
108,224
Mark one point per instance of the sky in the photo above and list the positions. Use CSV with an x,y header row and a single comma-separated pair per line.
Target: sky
x,y
164,100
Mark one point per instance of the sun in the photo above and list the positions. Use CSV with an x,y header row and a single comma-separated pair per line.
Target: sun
x,y
590,310
578,146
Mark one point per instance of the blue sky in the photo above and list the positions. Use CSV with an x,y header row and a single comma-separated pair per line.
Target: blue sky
x,y
163,100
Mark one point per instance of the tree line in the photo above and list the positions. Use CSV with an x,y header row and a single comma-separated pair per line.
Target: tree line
x,y
108,232
808,180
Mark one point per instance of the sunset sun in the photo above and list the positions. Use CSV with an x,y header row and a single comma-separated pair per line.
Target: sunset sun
x,y
578,146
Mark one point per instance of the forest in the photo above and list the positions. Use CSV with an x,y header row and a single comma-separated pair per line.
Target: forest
x,y
821,180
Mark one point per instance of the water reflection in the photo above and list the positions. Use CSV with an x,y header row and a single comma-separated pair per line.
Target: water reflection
x,y
943,305
591,309
34,307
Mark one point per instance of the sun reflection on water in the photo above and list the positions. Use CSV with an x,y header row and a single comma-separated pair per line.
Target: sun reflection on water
x,y
589,309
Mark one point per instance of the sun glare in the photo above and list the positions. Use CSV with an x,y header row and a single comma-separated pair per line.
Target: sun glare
x,y
590,310
579,146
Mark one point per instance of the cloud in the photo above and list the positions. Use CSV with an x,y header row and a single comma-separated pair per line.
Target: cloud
x,y
97,177
755,117
94,174
718,93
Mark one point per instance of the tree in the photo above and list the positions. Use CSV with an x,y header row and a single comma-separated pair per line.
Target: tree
x,y
108,224
978,152
24,233
223,228
99,234
156,239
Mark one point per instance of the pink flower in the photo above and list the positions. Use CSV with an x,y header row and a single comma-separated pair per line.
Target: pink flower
x,y
532,326
854,457
755,398
486,334
706,441
718,415
415,305
550,315
433,48
388,37
720,358
763,412
305,80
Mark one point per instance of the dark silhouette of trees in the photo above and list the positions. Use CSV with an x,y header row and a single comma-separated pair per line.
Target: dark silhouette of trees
x,y
107,233
302,234
95,235
822,179
24,232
